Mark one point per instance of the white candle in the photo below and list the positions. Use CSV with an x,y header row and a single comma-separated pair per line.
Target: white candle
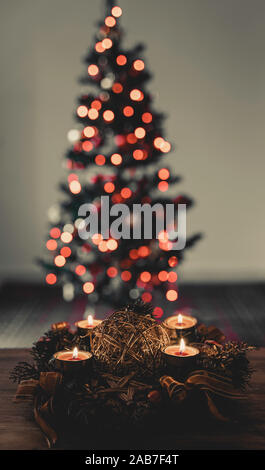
x,y
180,322
88,324
72,361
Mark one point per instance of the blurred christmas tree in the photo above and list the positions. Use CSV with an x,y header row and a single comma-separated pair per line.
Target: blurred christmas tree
x,y
120,136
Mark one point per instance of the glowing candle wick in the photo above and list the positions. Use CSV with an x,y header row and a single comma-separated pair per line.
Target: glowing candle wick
x,y
75,353
182,346
90,320
180,319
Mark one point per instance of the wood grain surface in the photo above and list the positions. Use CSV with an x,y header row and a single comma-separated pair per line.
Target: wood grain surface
x,y
19,431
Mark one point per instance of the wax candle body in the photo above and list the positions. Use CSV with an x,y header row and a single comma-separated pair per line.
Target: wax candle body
x,y
83,324
186,322
181,326
68,356
174,350
67,362
85,328
176,357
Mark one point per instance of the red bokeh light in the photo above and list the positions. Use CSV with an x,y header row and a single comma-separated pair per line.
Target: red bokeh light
x,y
75,187
117,88
109,187
158,312
55,232
93,70
81,111
140,132
171,295
162,276
145,276
112,271
172,276
108,115
173,261
89,132
143,251
51,245
116,198
126,193
121,59
116,11
99,48
51,279
158,142
147,118
112,244
138,65
136,95
165,147
138,154
107,43
116,159
163,236
146,297
87,146
59,261
102,246
72,177
97,238
166,246
163,186
88,287
92,113
131,139
163,174
133,254
80,270
66,237
66,251
128,111
126,276
96,104
100,160
110,21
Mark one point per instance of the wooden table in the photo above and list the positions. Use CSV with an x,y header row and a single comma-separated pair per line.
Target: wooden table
x,y
19,431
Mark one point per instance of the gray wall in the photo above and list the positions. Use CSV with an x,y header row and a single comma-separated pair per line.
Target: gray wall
x,y
208,62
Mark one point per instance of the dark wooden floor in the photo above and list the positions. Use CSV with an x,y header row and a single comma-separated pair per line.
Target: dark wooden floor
x,y
19,431
26,311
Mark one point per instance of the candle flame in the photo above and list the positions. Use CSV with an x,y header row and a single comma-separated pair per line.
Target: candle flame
x,y
182,346
75,353
180,318
90,320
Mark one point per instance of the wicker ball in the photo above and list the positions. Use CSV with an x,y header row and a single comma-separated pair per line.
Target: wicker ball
x,y
128,342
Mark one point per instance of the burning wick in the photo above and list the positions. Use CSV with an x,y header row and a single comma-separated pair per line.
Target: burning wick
x,y
182,346
180,319
90,320
75,353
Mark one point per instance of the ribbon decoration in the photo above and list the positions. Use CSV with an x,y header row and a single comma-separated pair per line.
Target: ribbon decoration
x,y
28,390
207,382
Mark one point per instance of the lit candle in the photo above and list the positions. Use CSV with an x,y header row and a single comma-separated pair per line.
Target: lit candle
x,y
180,325
182,347
181,355
67,361
84,326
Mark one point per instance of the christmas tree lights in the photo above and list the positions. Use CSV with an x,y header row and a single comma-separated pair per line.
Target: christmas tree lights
x,y
117,149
